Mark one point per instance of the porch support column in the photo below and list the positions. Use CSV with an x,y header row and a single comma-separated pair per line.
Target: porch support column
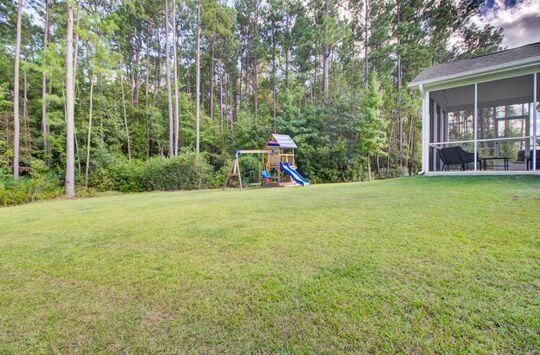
x,y
529,122
425,129
435,121
535,118
496,133
475,126
446,127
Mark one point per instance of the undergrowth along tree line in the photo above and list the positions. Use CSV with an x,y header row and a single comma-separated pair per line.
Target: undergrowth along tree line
x,y
153,78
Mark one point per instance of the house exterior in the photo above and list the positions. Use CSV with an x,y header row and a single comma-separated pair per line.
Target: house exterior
x,y
481,115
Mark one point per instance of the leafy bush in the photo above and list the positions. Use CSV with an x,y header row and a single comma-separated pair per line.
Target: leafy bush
x,y
187,171
14,192
41,184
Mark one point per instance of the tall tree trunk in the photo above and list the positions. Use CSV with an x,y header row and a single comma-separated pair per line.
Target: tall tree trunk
x,y
76,87
147,90
390,137
212,80
240,80
198,78
44,126
26,126
76,44
77,152
254,44
378,166
326,51
159,65
147,72
7,129
136,79
126,126
157,86
220,91
398,88
274,76
369,166
366,42
175,60
287,51
89,137
236,91
410,158
70,97
16,122
312,88
168,76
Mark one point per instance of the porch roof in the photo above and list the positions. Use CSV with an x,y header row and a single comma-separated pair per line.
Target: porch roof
x,y
481,65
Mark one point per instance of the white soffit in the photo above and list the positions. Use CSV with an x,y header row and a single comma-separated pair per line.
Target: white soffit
x,y
517,90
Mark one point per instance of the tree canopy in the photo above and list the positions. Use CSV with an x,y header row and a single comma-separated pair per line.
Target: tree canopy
x,y
332,74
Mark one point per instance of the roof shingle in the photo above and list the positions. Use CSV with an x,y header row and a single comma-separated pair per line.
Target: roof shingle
x,y
480,62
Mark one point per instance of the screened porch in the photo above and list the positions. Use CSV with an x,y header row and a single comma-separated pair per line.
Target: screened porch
x,y
484,127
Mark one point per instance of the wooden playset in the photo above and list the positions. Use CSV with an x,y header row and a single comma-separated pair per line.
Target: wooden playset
x,y
278,161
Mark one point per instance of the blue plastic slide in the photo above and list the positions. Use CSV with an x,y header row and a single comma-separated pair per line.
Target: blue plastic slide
x,y
295,175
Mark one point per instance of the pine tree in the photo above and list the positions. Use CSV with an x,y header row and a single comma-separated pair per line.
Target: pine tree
x,y
168,80
70,107
198,78
16,122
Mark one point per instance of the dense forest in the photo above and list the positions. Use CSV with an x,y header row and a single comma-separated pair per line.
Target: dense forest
x,y
136,95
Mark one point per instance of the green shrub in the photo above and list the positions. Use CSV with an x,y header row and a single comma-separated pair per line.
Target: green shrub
x,y
41,184
14,192
126,176
187,171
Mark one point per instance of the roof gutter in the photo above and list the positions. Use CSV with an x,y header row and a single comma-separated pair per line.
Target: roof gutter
x,y
522,63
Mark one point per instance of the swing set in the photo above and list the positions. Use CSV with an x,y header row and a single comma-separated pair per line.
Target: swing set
x,y
235,171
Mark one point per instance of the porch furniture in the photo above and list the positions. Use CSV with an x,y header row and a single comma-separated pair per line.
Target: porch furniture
x,y
529,159
506,162
456,156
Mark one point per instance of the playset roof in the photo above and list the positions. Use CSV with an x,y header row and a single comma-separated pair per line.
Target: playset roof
x,y
284,141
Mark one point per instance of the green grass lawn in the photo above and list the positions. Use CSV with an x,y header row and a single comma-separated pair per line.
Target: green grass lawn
x,y
412,264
